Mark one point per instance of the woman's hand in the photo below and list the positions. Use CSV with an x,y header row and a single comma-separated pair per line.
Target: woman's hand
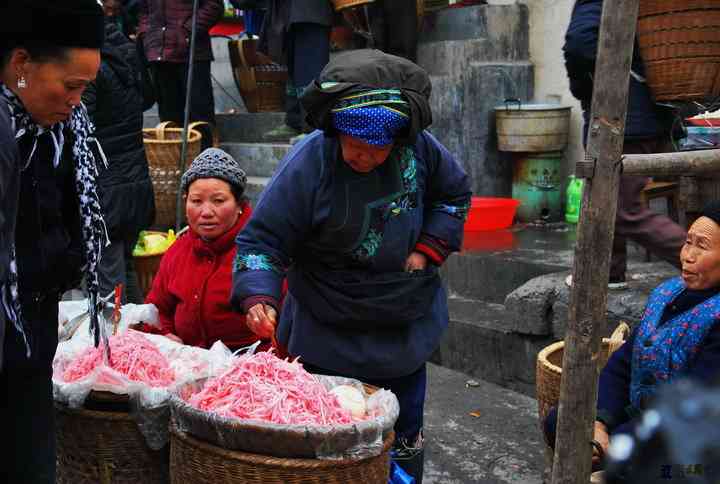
x,y
174,337
602,436
416,262
262,319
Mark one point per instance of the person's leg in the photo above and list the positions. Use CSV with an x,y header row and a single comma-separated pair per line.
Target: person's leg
x,y
308,54
401,33
26,399
133,293
634,221
169,80
202,100
409,448
111,269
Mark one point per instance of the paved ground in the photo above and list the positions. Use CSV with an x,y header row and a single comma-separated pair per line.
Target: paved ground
x,y
500,443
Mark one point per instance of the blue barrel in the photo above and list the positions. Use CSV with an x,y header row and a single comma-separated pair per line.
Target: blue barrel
x,y
536,183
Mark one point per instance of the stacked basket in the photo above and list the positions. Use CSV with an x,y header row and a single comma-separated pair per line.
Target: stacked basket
x,y
679,42
105,445
162,147
261,82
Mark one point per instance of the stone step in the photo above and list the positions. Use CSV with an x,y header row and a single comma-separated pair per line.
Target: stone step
x,y
238,127
493,264
257,159
255,186
478,342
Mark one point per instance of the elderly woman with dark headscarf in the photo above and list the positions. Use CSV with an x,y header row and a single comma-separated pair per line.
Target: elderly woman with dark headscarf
x,y
192,287
50,216
359,216
677,338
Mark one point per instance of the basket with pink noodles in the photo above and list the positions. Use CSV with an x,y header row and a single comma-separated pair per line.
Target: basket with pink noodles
x,y
273,407
140,372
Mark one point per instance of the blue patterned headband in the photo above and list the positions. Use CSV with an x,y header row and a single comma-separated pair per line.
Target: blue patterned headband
x,y
375,117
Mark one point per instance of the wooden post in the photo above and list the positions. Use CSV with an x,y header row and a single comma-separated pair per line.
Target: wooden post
x,y
591,267
683,163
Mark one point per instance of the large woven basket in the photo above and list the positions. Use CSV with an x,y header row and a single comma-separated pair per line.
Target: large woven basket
x,y
105,447
162,147
679,42
197,462
146,266
261,82
343,4
549,368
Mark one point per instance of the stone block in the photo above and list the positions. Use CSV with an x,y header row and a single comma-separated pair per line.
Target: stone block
x,y
257,159
530,307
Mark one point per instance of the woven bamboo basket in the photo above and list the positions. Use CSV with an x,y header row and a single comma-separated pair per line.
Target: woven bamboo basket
x,y
197,462
105,447
343,4
261,82
146,266
549,368
679,42
163,146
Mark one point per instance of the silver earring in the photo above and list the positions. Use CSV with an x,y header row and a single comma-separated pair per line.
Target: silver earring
x,y
22,83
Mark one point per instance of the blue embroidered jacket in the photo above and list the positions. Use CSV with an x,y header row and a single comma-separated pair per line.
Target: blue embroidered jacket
x,y
342,239
677,337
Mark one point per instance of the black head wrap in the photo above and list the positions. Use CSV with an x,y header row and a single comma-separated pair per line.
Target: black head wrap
x,y
712,211
361,70
63,23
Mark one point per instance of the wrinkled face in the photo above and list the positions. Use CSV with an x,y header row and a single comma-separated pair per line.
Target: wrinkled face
x,y
363,157
54,87
211,208
700,256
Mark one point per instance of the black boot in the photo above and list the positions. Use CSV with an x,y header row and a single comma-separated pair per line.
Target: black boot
x,y
413,464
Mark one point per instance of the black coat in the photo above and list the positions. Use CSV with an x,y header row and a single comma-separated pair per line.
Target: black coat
x,y
645,118
115,104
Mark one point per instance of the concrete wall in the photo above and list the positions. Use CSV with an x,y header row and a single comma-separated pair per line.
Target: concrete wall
x,y
548,23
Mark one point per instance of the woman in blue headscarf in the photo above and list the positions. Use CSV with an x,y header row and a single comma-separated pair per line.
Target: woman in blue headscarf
x,y
359,217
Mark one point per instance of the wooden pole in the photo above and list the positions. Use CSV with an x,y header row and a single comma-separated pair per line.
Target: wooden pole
x,y
683,163
591,267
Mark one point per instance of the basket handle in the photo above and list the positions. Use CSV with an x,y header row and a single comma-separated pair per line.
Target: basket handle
x,y
619,336
213,129
160,128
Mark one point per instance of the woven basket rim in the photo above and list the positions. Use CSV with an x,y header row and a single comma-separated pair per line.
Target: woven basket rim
x,y
94,414
193,136
552,348
265,460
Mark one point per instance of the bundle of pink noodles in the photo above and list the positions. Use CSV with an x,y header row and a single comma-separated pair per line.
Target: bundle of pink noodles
x,y
264,387
132,355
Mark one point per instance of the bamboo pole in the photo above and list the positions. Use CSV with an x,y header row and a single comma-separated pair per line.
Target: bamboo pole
x,y
683,163
591,267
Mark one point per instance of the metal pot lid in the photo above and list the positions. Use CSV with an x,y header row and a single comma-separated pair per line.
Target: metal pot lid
x,y
518,106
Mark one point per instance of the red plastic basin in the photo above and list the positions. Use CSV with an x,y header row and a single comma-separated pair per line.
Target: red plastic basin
x,y
488,213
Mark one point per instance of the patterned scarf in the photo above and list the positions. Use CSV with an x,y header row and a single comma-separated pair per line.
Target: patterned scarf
x,y
93,226
375,117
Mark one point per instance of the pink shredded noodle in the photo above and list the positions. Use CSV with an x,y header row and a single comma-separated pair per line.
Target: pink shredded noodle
x,y
264,387
133,355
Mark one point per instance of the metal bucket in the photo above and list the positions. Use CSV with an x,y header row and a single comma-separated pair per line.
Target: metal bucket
x,y
532,127
536,183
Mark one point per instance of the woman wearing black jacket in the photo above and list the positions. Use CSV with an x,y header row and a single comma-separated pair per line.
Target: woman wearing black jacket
x,y
51,222
115,104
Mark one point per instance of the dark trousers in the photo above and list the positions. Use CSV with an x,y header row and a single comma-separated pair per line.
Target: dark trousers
x,y
27,416
118,267
394,26
308,52
410,392
171,81
657,233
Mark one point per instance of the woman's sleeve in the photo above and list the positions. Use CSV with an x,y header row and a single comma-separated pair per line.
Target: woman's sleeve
x,y
161,297
8,178
614,386
283,217
447,200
